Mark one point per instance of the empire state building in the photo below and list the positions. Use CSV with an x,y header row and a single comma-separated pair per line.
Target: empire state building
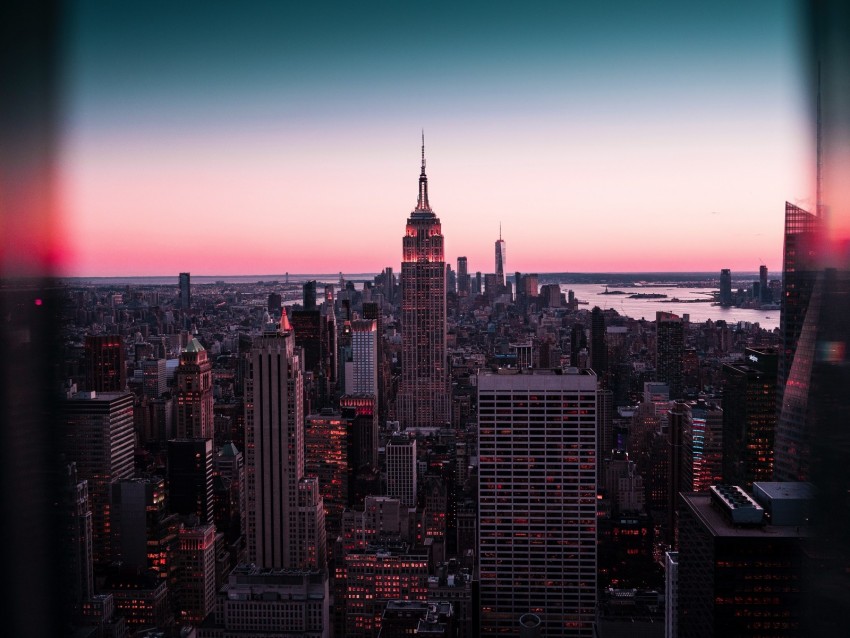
x,y
423,399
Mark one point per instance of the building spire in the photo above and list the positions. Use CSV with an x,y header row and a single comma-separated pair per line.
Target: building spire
x,y
422,203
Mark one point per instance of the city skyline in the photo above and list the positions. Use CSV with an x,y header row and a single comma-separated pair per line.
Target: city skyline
x,y
676,143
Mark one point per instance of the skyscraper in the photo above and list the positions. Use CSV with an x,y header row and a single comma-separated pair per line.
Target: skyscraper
x,y
725,287
98,437
500,260
185,291
764,291
106,370
462,276
799,271
77,538
153,378
196,561
327,458
537,500
285,511
401,469
598,345
194,393
190,478
423,398
739,575
309,290
670,352
364,358
749,418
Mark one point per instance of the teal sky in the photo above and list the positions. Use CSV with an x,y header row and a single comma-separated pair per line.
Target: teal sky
x,y
604,136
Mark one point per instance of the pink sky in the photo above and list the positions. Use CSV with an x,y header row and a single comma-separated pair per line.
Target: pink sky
x,y
248,202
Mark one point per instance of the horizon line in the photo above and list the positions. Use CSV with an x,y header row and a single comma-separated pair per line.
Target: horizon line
x,y
378,272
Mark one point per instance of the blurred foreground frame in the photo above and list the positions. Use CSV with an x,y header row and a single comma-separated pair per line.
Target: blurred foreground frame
x,y
817,393
30,299
29,318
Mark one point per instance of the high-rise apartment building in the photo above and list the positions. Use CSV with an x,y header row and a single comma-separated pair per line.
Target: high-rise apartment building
x,y
537,500
401,469
423,397
670,352
194,393
185,291
285,511
99,439
105,364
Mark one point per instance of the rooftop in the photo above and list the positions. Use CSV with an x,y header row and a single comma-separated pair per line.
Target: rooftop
x,y
720,526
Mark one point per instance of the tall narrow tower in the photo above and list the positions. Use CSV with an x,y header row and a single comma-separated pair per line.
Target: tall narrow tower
x,y
500,260
285,511
423,398
194,393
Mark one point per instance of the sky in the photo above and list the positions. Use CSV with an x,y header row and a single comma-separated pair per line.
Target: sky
x,y
272,137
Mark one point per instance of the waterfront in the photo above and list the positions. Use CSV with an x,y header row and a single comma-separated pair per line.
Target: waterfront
x,y
699,311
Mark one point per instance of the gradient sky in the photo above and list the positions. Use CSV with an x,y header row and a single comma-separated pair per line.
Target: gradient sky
x,y
259,138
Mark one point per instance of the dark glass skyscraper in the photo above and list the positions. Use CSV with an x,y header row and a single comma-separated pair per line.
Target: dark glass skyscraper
x,y
423,398
670,351
462,276
800,274
185,291
725,287
749,418
799,271
500,259
106,370
190,478
598,346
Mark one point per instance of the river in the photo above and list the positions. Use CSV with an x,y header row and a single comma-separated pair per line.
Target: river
x,y
699,312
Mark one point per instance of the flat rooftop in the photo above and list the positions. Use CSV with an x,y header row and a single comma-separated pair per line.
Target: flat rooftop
x,y
719,525
780,490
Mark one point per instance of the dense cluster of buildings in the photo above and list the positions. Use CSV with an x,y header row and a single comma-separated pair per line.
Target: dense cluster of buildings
x,y
444,453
